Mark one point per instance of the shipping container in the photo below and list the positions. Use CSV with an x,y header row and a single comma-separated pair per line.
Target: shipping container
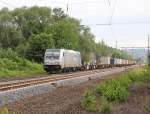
x,y
115,61
112,61
105,60
71,59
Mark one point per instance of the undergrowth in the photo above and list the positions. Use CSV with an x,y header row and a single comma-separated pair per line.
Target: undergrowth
x,y
105,107
13,65
4,110
117,90
89,101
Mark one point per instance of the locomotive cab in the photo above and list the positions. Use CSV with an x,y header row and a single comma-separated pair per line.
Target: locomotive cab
x,y
52,60
61,60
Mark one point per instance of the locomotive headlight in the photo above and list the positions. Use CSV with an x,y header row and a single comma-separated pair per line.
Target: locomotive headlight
x,y
56,62
46,61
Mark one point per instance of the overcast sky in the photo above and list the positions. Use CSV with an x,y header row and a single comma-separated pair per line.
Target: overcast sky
x,y
130,18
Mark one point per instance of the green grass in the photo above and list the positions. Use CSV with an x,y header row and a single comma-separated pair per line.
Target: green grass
x,y
4,110
117,90
105,107
147,108
113,90
11,65
89,101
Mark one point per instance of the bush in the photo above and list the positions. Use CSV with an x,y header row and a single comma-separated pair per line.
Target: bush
x,y
147,108
113,90
4,110
118,89
13,65
89,101
105,107
37,46
8,53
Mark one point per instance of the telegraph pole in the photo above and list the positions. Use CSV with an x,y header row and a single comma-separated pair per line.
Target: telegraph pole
x,y
67,9
148,52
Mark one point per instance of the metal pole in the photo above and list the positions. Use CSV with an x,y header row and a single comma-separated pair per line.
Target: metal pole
x,y
148,54
67,9
148,45
132,52
116,44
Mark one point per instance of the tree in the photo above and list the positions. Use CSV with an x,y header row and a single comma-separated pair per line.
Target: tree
x,y
9,36
65,34
30,31
58,14
32,20
86,43
37,46
102,49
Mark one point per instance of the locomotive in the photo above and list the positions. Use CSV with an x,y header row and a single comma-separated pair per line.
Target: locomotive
x,y
64,60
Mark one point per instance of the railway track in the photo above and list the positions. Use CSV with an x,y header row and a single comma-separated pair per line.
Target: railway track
x,y
31,82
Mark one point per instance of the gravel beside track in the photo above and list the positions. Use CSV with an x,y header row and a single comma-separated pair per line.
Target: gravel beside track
x,y
64,100
20,95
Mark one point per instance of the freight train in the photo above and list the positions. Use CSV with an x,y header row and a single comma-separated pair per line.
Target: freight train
x,y
64,60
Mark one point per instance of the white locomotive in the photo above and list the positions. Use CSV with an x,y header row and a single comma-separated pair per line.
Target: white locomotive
x,y
62,60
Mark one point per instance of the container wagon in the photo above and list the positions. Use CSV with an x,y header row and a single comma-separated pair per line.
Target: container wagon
x,y
112,62
105,62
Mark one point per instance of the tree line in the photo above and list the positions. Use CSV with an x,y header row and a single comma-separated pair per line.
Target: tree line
x,y
29,31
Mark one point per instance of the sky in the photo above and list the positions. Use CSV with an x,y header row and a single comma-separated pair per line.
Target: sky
x,y
124,21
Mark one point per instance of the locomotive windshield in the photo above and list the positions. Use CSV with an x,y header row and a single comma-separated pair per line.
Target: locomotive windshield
x,y
52,54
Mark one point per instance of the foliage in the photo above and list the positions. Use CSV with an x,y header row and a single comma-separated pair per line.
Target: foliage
x,y
4,110
12,65
102,49
65,34
32,20
89,101
37,46
22,28
22,49
113,90
116,53
105,107
118,89
58,14
10,37
86,43
147,108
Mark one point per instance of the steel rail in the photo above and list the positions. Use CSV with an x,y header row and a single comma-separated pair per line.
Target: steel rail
x,y
31,82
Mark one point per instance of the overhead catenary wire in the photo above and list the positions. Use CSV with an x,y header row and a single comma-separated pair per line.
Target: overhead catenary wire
x,y
109,3
87,2
79,3
113,11
123,23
